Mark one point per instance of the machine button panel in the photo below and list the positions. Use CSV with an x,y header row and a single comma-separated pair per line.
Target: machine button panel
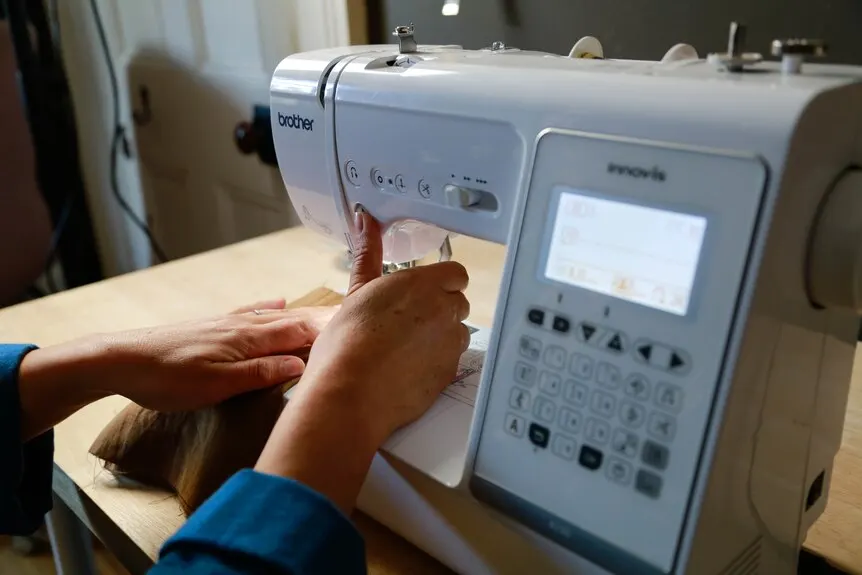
x,y
519,399
655,455
561,324
581,366
550,383
536,317
584,400
576,393
619,471
564,447
590,457
544,409
530,347
525,374
662,357
648,483
515,425
555,357
351,172
539,435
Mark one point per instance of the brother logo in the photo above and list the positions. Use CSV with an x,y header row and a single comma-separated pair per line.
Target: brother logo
x,y
296,122
655,173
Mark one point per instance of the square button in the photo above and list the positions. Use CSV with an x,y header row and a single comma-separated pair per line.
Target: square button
x,y
555,357
550,383
625,443
544,409
598,431
561,324
590,457
564,447
570,420
668,397
661,426
632,414
515,425
655,455
530,347
576,393
536,317
638,387
603,403
648,483
619,471
539,435
608,375
519,399
525,373
581,366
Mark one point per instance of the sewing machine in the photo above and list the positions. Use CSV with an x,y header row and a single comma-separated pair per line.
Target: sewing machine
x,y
666,378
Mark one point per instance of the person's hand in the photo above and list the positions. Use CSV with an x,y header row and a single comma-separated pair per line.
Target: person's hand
x,y
379,365
170,368
200,363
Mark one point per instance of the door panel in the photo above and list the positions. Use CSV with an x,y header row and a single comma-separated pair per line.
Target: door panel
x,y
204,64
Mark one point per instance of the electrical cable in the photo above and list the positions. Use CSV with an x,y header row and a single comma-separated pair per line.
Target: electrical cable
x,y
119,137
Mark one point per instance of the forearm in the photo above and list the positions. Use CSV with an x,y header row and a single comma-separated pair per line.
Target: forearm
x,y
325,443
55,382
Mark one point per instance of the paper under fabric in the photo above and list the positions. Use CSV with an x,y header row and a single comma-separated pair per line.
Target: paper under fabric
x,y
194,453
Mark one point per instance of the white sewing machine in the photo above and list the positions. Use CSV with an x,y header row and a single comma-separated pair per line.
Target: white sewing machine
x,y
667,374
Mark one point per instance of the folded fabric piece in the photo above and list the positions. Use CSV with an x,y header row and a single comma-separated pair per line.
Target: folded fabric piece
x,y
194,453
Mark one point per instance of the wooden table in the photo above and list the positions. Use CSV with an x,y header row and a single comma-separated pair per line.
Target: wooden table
x,y
134,523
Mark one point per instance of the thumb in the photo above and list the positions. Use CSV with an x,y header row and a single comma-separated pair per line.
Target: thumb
x,y
273,370
367,253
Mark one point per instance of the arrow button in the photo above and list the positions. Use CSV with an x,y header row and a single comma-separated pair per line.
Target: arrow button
x,y
587,332
678,363
644,352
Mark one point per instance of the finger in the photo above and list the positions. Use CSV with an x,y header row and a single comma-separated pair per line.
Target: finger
x,y
450,276
367,253
461,305
465,338
268,305
268,371
288,334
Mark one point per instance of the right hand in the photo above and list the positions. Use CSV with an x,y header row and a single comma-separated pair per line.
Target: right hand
x,y
395,343
380,364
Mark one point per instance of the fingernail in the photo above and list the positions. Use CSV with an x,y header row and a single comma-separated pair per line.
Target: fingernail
x,y
294,366
359,219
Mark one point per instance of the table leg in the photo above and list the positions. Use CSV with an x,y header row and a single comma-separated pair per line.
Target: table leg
x,y
71,541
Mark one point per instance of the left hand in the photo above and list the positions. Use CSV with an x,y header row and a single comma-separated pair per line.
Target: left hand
x,y
171,368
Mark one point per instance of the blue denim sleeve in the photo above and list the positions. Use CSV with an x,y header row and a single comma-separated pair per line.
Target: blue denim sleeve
x,y
259,524
25,468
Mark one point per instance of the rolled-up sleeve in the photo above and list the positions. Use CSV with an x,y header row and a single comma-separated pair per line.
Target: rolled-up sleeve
x,y
25,467
260,524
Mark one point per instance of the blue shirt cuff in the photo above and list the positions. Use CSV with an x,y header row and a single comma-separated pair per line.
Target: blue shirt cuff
x,y
268,524
27,468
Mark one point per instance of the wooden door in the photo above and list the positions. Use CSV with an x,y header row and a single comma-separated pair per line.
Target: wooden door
x,y
203,65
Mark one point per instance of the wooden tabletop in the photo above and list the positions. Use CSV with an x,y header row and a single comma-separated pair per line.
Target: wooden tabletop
x,y
290,264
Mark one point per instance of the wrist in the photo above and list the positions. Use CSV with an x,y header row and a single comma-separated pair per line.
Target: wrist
x,y
322,441
54,382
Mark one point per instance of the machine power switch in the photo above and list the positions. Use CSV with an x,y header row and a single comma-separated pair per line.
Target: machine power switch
x,y
458,197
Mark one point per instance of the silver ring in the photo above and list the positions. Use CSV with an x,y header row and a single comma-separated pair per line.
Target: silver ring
x,y
258,312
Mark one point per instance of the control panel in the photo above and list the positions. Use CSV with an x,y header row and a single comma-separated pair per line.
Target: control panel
x,y
621,293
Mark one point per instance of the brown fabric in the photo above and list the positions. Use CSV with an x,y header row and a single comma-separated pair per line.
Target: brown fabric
x,y
194,453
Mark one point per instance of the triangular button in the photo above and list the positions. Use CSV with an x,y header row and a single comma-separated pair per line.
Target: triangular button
x,y
588,331
645,351
676,361
615,343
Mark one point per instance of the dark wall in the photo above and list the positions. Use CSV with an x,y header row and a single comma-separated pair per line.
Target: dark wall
x,y
631,28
